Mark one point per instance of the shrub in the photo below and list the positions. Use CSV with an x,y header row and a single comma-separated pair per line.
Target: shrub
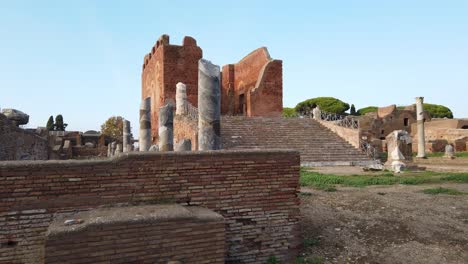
x,y
289,112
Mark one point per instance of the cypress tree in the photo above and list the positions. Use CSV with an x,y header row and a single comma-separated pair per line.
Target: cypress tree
x,y
50,124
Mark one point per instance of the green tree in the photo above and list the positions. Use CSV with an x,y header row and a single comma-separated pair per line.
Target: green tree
x,y
366,110
289,112
438,111
353,110
113,127
59,125
327,104
50,124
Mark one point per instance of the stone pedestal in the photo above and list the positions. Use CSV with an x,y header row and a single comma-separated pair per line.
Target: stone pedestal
x,y
144,140
166,128
126,136
181,99
399,146
449,152
184,145
420,123
209,106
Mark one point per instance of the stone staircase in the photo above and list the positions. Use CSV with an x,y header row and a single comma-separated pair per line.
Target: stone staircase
x,y
317,144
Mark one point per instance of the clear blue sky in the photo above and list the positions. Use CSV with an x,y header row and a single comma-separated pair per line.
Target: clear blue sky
x,y
83,58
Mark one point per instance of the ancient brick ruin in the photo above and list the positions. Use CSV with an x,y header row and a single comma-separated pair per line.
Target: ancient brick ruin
x,y
251,87
20,144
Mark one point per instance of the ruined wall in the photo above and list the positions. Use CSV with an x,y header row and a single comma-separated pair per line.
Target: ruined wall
x,y
19,144
450,135
255,192
141,234
85,152
163,68
253,86
186,128
387,119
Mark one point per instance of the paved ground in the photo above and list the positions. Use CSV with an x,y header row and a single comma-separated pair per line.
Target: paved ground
x,y
390,224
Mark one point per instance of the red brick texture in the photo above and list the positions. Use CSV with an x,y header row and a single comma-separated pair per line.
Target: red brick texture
x,y
255,191
150,234
258,79
163,68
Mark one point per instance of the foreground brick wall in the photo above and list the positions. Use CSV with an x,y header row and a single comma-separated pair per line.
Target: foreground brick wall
x,y
19,144
255,191
140,234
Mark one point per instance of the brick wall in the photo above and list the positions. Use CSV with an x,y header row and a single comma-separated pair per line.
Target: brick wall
x,y
139,234
186,128
259,79
19,144
255,191
439,134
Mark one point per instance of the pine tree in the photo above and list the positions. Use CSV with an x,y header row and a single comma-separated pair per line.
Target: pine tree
x,y
50,124
353,110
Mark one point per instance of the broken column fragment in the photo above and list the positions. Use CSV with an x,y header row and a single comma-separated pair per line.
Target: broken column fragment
x,y
126,136
209,107
181,99
166,128
144,140
184,145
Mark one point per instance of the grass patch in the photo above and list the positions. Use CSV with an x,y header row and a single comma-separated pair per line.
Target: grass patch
x,y
327,182
310,242
441,190
462,154
460,177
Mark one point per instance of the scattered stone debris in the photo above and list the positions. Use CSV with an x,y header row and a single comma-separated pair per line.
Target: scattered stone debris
x,y
73,221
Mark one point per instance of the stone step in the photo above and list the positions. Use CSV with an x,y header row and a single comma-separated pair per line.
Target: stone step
x,y
316,143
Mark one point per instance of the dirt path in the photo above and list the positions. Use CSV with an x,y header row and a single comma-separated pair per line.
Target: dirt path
x,y
391,224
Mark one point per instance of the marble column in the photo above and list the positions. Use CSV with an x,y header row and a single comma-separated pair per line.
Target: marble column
x,y
113,148
109,152
118,149
181,99
166,128
420,123
184,145
126,136
144,140
209,107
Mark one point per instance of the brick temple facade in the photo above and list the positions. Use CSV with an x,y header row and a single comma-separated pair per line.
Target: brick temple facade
x,y
251,87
